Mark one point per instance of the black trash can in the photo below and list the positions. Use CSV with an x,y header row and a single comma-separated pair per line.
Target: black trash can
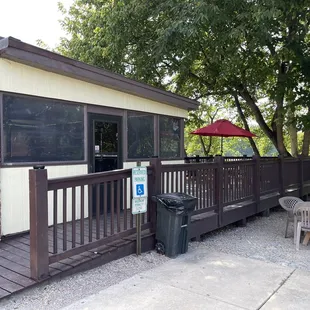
x,y
173,220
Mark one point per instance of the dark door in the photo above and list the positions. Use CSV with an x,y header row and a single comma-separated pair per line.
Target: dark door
x,y
105,152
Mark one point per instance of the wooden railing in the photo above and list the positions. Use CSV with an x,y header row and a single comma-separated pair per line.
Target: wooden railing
x,y
237,181
225,182
208,159
198,180
270,179
74,214
199,159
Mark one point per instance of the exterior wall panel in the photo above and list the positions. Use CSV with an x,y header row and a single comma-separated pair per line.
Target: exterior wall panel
x,y
22,79
14,186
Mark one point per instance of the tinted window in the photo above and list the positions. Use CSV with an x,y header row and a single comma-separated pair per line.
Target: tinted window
x,y
37,130
140,135
169,137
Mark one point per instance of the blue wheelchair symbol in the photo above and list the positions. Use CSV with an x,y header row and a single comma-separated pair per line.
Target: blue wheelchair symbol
x,y
140,189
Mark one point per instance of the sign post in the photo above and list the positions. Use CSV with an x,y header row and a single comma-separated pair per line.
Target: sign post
x,y
139,200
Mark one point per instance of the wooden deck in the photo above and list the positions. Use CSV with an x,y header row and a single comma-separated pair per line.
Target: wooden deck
x,y
15,257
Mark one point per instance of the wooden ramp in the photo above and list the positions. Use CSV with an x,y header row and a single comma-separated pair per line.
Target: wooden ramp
x,y
15,260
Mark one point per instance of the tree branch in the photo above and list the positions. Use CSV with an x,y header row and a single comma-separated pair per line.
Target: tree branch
x,y
245,123
243,92
197,77
205,151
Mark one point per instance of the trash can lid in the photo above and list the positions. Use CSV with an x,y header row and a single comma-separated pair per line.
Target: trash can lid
x,y
176,200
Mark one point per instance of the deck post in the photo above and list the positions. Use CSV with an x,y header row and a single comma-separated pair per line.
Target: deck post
x,y
281,176
219,187
39,258
155,188
301,176
256,181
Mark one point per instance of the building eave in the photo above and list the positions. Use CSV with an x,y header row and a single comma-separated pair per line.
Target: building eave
x,y
18,51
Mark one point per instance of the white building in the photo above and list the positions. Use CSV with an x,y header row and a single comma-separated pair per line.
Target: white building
x,y
75,119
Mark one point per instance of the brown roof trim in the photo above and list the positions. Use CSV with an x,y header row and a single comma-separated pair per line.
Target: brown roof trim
x,y
19,51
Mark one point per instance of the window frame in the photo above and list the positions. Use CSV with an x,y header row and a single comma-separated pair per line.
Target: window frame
x,y
126,158
41,163
88,108
156,138
181,154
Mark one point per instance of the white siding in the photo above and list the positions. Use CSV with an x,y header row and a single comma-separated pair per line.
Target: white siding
x,y
15,196
19,78
14,186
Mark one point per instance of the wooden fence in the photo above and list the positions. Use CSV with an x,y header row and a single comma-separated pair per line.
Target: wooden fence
x,y
208,159
71,215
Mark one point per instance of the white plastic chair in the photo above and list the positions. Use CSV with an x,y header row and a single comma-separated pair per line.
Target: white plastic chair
x,y
302,210
288,203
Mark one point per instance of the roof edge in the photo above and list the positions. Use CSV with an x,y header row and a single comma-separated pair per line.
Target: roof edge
x,y
4,43
31,55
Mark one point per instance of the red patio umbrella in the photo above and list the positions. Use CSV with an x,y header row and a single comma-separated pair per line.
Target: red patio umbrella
x,y
223,128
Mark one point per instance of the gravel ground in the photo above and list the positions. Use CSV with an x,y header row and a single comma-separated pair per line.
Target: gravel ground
x,y
262,239
62,293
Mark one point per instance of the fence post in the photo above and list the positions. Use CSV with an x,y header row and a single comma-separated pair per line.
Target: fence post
x,y
39,258
281,176
156,188
256,181
301,176
219,187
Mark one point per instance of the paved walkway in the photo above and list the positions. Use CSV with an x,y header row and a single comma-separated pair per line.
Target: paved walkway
x,y
204,279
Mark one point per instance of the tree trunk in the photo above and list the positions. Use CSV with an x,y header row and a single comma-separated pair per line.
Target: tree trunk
x,y
279,119
293,139
209,146
292,131
258,115
279,123
203,146
262,124
245,124
280,139
306,143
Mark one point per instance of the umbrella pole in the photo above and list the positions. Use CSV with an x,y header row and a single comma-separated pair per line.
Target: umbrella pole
x,y
221,146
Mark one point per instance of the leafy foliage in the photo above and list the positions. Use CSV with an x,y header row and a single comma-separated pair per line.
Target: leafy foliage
x,y
209,112
257,50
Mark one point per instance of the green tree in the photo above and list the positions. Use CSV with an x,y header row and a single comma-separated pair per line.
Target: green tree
x,y
249,50
206,114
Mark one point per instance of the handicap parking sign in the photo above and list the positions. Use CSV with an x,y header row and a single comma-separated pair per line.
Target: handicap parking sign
x,y
139,182
140,189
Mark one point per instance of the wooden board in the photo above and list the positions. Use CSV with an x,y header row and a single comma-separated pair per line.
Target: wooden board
x,y
15,255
